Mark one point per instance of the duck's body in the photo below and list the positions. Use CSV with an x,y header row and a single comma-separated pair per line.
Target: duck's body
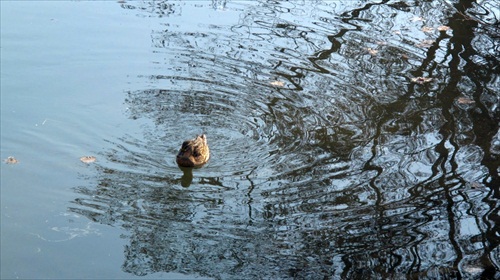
x,y
194,152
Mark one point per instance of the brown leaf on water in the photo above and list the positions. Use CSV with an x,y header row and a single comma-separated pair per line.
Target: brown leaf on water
x,y
421,80
427,29
11,160
476,185
443,28
465,100
277,83
425,43
88,159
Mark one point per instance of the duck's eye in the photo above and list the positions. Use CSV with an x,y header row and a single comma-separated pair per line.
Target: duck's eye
x,y
196,154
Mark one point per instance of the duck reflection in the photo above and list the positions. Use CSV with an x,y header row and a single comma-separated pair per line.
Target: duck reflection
x,y
187,177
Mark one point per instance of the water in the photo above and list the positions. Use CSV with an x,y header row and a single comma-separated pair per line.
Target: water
x,y
327,160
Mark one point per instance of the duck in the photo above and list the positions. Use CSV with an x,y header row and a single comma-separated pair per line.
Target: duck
x,y
194,152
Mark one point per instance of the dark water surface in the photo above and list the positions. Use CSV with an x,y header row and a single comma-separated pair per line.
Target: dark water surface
x,y
329,158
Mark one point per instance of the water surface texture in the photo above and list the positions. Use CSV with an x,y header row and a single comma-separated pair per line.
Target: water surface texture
x,y
349,139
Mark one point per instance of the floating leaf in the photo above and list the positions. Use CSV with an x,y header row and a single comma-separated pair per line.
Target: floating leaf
x,y
465,100
11,160
476,185
421,80
372,51
425,43
443,28
88,159
415,18
277,83
427,29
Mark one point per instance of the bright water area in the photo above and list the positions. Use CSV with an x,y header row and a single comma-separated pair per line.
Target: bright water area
x,y
349,140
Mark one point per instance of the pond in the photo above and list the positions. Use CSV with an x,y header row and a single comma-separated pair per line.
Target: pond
x,y
348,139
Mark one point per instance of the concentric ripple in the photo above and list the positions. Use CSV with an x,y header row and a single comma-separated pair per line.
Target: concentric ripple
x,y
256,118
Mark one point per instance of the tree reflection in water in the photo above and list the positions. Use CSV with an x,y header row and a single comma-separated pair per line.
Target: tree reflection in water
x,y
327,161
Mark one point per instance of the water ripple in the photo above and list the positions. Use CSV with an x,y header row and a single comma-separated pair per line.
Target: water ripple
x,y
321,146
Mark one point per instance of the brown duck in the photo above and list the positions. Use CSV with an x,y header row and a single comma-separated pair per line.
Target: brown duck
x,y
194,152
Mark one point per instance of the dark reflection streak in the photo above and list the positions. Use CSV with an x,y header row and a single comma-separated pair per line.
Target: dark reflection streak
x,y
280,62
347,267
397,263
249,194
447,136
484,236
447,131
492,240
298,76
378,169
486,126
451,220
417,261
